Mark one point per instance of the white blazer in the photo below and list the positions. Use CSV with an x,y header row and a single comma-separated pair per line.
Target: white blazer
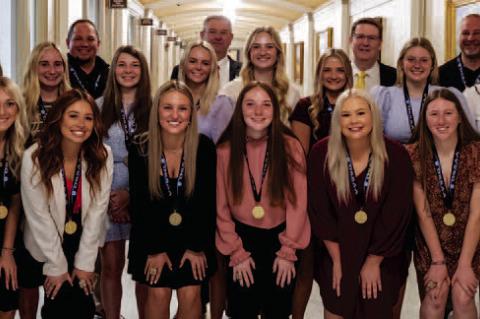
x,y
45,217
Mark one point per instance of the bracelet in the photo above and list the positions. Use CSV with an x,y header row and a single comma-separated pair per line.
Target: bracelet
x,y
8,248
438,263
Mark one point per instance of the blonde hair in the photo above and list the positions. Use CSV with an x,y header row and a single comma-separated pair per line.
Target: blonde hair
x,y
155,146
337,149
280,80
317,98
31,84
213,81
17,134
423,43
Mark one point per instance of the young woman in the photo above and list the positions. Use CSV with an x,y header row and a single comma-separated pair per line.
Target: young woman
x,y
265,62
360,193
310,121
45,79
124,107
446,156
417,75
65,201
13,134
261,217
172,189
311,117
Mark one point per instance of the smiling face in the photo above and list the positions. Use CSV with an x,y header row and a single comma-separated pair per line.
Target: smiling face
x,y
219,34
174,113
469,40
50,68
257,110
417,64
442,119
84,43
8,111
77,123
263,52
355,119
333,75
198,65
366,43
128,70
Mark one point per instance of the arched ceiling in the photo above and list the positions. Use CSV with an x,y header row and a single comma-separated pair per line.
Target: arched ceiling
x,y
185,17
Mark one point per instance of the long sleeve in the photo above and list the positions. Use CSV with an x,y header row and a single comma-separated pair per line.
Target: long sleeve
x,y
390,227
322,215
42,236
227,240
216,121
297,231
94,224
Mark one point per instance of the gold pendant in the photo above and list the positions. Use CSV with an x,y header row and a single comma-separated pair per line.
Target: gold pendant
x,y
258,212
3,211
361,217
175,218
70,227
449,219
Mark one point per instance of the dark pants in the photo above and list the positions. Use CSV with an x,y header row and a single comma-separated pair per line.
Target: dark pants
x,y
264,295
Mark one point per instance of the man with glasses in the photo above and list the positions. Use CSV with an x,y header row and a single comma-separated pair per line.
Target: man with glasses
x,y
217,30
366,43
464,70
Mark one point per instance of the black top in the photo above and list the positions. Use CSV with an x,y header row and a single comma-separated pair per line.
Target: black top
x,y
151,231
300,114
388,75
94,82
235,68
450,75
7,191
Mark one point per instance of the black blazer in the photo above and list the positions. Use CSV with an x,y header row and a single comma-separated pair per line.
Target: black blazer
x,y
235,67
388,75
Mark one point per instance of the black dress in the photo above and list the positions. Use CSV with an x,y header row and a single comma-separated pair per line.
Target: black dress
x,y
151,232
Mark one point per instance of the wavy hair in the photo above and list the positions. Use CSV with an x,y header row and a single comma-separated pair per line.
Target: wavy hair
x,y
31,83
423,136
337,149
17,134
423,43
49,151
112,97
279,159
317,98
280,82
212,83
155,145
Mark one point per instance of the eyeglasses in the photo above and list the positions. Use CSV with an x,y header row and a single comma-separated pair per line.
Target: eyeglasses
x,y
369,38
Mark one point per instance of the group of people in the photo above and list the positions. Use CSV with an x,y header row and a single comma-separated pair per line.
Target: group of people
x,y
233,189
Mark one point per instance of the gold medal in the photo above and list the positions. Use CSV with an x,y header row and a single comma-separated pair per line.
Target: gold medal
x,y
175,218
70,227
361,217
449,219
258,212
3,211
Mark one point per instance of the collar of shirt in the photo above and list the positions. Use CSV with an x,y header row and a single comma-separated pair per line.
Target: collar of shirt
x,y
372,75
224,65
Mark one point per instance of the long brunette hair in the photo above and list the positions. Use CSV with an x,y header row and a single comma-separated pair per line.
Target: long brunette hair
x,y
279,159
49,157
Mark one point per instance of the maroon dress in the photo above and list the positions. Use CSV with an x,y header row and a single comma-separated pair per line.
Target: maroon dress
x,y
383,234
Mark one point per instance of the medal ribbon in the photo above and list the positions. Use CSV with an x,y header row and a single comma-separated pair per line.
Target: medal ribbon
x,y
127,129
75,74
327,105
462,73
5,173
447,193
181,175
76,181
257,195
351,175
408,104
43,110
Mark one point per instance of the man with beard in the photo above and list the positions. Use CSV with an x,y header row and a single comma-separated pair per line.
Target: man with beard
x,y
87,71
217,30
464,70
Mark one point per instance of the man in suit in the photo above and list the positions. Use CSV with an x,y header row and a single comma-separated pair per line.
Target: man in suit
x,y
217,30
366,43
464,70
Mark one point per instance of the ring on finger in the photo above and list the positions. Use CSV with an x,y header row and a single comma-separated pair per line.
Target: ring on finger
x,y
431,285
152,271
82,283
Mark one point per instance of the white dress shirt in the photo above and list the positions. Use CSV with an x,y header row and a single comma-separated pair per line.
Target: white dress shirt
x,y
224,65
372,77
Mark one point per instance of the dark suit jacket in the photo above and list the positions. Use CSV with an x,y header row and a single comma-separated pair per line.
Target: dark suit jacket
x,y
388,75
235,67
